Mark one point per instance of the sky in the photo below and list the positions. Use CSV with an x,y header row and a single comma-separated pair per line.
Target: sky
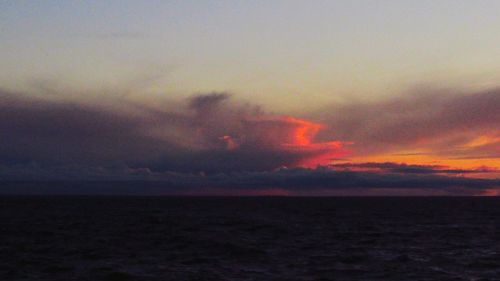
x,y
253,97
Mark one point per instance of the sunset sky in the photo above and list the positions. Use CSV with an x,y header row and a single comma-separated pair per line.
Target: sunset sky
x,y
253,97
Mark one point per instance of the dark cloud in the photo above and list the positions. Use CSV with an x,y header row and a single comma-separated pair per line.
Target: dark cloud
x,y
410,169
319,181
48,132
208,134
207,102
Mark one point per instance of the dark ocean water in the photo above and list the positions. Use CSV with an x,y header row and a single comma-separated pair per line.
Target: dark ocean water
x,y
187,238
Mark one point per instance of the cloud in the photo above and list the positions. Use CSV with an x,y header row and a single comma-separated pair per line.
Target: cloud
x,y
207,102
448,123
49,132
404,168
207,134
211,144
107,35
297,181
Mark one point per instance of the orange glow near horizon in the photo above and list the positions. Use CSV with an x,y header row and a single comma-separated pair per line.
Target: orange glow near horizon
x,y
330,150
430,159
324,153
295,136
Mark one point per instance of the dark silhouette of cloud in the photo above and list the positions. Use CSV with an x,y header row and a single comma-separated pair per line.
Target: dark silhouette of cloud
x,y
319,181
206,135
206,102
410,169
49,132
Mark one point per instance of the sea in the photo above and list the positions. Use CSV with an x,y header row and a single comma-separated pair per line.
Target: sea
x,y
249,238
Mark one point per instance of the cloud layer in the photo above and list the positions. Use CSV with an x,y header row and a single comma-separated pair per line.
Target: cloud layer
x,y
207,134
402,168
297,181
212,144
444,122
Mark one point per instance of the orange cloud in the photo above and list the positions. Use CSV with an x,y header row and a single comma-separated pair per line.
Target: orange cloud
x,y
301,140
292,138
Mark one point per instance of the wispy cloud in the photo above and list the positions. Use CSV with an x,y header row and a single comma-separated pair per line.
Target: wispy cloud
x,y
108,35
447,123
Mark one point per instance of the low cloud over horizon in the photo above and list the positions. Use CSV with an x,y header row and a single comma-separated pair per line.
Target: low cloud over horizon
x,y
207,134
213,141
